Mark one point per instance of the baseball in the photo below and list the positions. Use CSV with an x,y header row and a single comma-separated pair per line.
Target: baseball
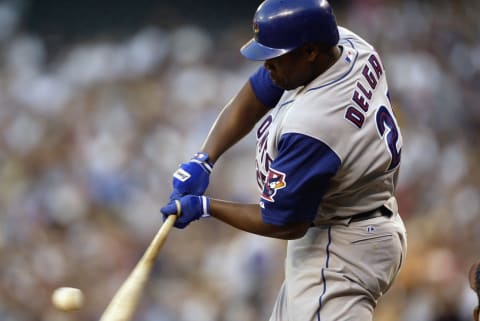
x,y
67,299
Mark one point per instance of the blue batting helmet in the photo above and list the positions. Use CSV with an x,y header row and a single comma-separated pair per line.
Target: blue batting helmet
x,y
280,26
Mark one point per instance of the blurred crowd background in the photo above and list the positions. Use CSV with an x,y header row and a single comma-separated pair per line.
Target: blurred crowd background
x,y
101,100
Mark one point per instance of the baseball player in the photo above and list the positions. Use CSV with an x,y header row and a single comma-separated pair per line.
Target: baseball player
x,y
327,156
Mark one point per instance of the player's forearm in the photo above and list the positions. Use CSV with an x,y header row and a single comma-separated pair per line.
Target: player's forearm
x,y
248,217
235,121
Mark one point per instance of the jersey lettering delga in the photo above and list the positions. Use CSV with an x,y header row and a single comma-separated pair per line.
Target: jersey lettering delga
x,y
347,111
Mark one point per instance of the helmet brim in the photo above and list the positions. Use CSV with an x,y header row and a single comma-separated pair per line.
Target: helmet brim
x,y
254,50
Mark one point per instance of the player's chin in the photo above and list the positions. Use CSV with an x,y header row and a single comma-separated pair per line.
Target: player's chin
x,y
286,86
286,83
281,83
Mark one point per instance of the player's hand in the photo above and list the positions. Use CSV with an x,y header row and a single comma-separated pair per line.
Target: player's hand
x,y
192,177
192,208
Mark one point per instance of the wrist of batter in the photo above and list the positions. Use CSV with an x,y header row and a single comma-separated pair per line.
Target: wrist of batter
x,y
204,160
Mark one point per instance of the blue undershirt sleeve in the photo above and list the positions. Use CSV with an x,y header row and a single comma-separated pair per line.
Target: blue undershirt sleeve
x,y
265,90
297,179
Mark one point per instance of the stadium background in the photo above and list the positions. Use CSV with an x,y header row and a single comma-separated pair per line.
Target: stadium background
x,y
100,100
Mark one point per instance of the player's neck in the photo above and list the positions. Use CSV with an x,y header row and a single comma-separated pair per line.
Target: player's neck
x,y
331,57
325,59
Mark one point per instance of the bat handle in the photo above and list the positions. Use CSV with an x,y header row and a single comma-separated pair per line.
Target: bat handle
x,y
161,236
179,208
167,225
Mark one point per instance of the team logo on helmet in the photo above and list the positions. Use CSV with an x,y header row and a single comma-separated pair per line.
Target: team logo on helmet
x,y
274,181
256,29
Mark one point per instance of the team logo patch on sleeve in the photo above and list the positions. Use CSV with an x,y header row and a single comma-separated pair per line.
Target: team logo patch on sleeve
x,y
275,180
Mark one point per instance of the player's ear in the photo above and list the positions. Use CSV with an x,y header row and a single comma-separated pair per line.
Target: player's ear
x,y
311,51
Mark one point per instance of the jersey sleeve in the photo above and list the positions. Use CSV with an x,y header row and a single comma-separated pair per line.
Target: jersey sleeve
x,y
297,179
264,88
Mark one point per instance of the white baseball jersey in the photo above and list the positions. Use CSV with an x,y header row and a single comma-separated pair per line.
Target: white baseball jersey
x,y
332,148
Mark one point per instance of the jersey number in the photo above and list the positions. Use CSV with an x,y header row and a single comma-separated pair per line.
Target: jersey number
x,y
384,121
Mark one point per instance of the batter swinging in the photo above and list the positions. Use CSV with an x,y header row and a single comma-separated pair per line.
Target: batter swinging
x,y
328,155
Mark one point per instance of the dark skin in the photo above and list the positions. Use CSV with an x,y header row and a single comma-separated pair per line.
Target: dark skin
x,y
292,70
302,65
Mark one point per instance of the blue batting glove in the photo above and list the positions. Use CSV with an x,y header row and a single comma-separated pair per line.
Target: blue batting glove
x,y
192,208
192,177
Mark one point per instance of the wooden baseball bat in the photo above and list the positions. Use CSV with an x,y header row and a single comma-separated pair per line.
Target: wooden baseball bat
x,y
125,301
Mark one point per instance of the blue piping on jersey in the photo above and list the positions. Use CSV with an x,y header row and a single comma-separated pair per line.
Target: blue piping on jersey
x,y
320,300
286,103
344,75
349,40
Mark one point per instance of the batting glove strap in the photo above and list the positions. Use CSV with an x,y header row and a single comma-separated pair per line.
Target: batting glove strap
x,y
205,206
191,207
203,160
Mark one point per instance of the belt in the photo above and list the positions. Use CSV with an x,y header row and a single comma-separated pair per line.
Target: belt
x,y
377,212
